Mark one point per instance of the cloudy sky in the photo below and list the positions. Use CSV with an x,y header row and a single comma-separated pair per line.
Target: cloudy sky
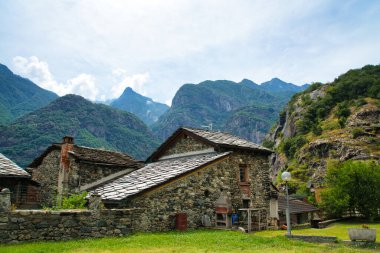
x,y
96,48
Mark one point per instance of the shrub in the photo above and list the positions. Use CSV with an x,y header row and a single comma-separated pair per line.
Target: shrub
x,y
356,132
352,185
291,145
75,201
343,110
317,130
268,143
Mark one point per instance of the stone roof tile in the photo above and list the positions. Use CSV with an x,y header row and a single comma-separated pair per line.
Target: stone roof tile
x,y
296,205
226,139
104,156
152,175
92,155
11,169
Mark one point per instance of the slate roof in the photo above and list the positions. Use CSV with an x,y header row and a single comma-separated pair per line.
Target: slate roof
x,y
296,205
104,156
10,169
213,138
154,174
92,155
226,139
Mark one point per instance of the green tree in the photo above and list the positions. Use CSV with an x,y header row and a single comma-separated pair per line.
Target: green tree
x,y
352,185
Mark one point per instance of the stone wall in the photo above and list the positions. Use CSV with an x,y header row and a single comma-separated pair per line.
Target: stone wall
x,y
196,194
80,174
47,175
37,225
84,173
184,144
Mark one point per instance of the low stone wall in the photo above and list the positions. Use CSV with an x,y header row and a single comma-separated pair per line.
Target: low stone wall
x,y
314,238
36,225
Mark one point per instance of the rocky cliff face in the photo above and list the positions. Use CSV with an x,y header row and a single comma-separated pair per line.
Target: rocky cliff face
x,y
348,129
245,109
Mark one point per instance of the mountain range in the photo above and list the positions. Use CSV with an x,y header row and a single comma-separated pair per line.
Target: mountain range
x,y
92,125
245,108
32,118
18,96
143,107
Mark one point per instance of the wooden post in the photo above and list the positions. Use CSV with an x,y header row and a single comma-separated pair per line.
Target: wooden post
x,y
249,220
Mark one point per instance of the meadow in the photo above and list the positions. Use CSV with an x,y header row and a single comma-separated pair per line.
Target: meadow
x,y
204,241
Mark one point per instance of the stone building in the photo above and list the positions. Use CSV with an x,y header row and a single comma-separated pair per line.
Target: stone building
x,y
24,191
210,176
66,168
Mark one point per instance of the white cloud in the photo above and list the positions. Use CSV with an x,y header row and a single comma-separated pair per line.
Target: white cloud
x,y
182,41
37,71
136,82
83,84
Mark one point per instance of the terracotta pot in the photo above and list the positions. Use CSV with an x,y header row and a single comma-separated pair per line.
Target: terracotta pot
x,y
362,234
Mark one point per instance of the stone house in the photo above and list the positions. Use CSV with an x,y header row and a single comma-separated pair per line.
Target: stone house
x,y
66,168
209,176
18,181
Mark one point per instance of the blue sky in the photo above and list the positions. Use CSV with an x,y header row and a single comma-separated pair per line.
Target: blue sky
x,y
97,48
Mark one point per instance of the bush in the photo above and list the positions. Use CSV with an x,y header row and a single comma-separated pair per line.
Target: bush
x,y
352,186
356,132
291,145
75,201
268,143
317,130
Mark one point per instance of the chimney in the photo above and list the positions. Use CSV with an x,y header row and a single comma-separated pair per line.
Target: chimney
x,y
64,167
68,140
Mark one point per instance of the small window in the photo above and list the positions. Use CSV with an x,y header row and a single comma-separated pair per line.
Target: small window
x,y
245,203
243,172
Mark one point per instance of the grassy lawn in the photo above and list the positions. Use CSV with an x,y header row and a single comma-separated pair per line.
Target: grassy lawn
x,y
337,229
194,241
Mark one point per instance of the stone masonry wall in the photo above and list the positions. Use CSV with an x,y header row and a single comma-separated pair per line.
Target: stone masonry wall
x,y
37,225
79,174
186,144
83,173
47,175
196,194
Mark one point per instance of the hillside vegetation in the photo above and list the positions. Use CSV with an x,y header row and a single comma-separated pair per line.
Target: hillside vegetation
x,y
245,109
19,96
329,122
92,125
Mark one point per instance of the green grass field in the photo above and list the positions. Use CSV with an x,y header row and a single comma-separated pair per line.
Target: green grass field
x,y
199,241
338,229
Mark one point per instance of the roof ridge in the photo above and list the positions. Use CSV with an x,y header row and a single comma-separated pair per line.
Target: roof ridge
x,y
193,155
104,150
226,133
